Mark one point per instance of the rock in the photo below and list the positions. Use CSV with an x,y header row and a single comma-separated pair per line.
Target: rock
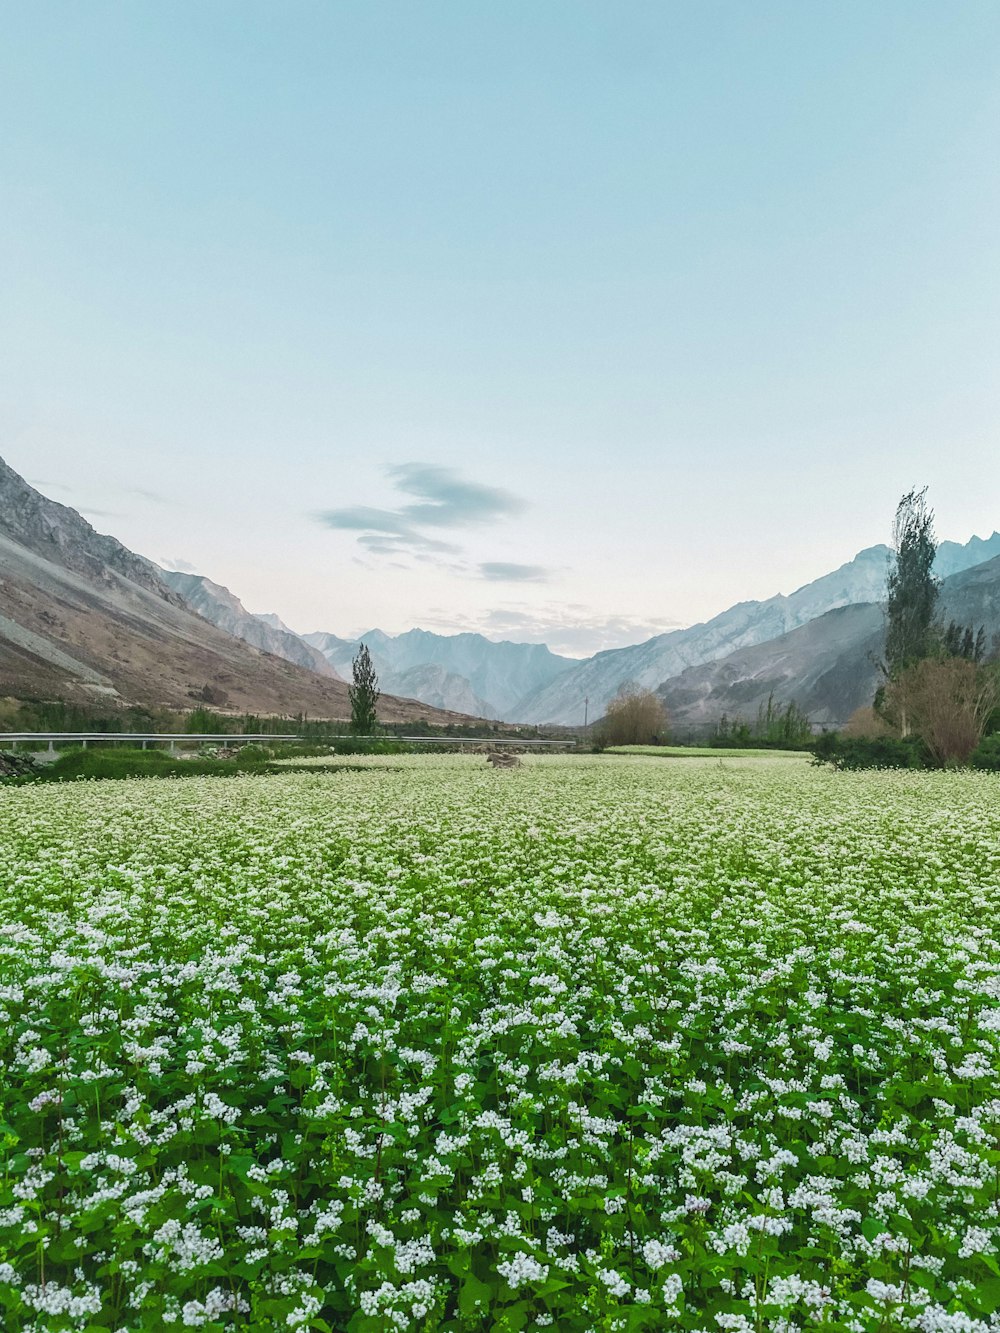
x,y
14,765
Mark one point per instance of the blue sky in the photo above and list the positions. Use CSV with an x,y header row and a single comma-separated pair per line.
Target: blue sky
x,y
567,321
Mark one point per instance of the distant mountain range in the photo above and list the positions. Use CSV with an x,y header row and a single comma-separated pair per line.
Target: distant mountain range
x,y
469,667
82,616
814,646
828,666
861,580
84,619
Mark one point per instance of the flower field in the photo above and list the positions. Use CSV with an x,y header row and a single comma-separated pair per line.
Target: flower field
x,y
600,1044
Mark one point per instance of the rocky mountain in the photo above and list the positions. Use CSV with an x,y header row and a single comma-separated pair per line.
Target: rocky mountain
x,y
225,610
83,618
827,666
465,667
61,536
953,557
434,685
742,626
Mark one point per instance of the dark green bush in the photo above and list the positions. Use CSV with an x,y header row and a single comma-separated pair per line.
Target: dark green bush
x,y
987,753
122,762
856,752
252,756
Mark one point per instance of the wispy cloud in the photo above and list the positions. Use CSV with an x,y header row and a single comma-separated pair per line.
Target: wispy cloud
x,y
504,571
441,498
44,486
446,501
573,629
177,566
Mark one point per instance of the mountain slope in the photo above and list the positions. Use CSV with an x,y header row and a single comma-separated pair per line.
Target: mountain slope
x,y
742,626
225,610
84,618
827,666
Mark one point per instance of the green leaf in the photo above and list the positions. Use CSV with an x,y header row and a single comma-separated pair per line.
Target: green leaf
x,y
474,1297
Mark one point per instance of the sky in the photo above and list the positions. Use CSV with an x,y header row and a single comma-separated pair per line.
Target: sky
x,y
565,322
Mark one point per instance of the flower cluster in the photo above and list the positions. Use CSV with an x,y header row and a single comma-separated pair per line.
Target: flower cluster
x,y
601,1044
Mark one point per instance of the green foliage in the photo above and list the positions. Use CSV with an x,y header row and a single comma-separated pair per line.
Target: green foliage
x,y
364,694
778,726
987,753
58,715
912,588
252,755
786,726
618,1046
964,641
107,761
857,752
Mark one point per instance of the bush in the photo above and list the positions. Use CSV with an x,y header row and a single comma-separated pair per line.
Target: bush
x,y
987,754
122,762
252,756
635,717
856,752
947,701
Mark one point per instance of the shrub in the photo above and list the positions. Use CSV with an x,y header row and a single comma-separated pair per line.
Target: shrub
x,y
122,762
987,754
947,701
252,756
856,752
865,724
634,717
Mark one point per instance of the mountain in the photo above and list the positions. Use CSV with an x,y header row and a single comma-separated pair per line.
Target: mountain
x,y
952,557
742,626
827,666
84,619
432,684
467,666
275,622
225,610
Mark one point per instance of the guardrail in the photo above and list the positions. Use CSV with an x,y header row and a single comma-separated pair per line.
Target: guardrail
x,y
475,740
174,738
143,738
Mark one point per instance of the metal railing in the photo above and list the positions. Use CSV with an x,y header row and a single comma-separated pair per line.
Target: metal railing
x,y
475,740
52,738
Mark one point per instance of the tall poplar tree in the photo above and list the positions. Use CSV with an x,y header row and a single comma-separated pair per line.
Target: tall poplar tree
x,y
912,588
912,592
364,694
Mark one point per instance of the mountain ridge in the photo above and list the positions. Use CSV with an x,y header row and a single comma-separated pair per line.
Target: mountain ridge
x,y
83,618
225,610
745,624
828,666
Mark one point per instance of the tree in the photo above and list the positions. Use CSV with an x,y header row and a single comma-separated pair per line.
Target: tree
x,y
635,717
865,724
364,694
948,701
912,595
782,725
964,641
912,588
